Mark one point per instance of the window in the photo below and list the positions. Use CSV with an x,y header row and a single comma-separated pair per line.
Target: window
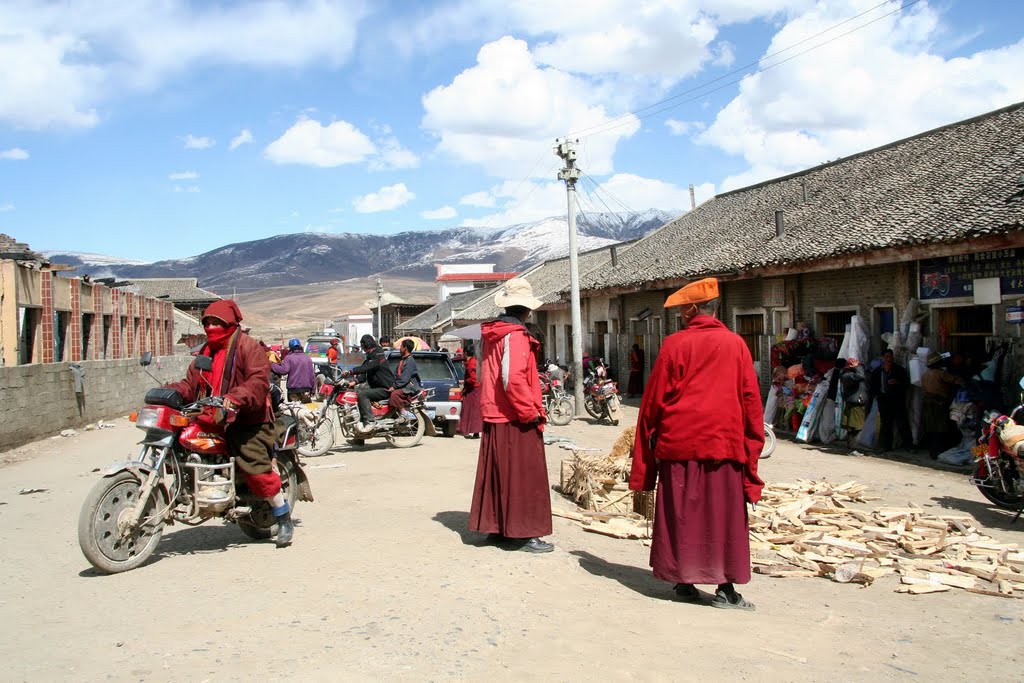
x,y
963,329
885,321
833,324
751,328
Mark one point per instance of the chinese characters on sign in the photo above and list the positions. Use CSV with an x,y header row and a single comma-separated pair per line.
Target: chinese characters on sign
x,y
953,276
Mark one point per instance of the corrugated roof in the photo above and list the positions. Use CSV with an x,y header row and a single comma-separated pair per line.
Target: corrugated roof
x,y
946,185
174,289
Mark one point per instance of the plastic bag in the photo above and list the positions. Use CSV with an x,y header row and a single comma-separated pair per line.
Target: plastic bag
x,y
827,422
869,435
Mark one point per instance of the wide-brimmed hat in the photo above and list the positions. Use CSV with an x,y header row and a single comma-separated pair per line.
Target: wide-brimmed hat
x,y
694,293
517,292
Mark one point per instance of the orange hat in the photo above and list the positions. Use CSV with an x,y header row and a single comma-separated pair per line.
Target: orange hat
x,y
694,293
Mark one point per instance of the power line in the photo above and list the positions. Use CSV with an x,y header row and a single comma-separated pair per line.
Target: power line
x,y
627,118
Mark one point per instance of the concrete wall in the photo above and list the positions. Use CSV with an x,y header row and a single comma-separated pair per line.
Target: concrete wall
x,y
39,400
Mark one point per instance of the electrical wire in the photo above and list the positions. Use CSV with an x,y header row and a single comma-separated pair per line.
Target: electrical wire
x,y
628,118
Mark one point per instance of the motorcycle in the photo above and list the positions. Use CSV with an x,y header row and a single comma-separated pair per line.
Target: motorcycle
x,y
769,441
404,430
601,395
557,404
184,473
999,460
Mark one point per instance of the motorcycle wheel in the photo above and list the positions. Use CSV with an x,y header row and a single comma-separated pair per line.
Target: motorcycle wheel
x,y
1004,499
410,436
591,407
562,412
769,443
111,499
261,524
319,439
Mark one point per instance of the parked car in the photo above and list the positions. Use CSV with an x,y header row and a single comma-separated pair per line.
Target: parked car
x,y
317,345
437,372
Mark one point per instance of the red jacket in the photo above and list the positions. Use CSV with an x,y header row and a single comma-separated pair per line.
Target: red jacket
x,y
702,403
509,383
471,381
246,380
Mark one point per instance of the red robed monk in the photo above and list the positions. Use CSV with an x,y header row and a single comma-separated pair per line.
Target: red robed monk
x,y
699,436
241,374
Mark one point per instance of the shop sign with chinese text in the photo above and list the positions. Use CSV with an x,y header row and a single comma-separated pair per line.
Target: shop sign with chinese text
x,y
954,276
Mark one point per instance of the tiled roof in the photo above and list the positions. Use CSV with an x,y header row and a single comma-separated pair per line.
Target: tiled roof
x,y
946,185
174,289
441,313
548,280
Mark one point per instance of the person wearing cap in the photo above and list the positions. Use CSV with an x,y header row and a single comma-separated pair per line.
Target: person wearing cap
x,y
299,369
332,352
241,375
938,387
698,438
511,500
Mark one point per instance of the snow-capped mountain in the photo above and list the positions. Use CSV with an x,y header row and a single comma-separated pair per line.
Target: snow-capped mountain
x,y
318,257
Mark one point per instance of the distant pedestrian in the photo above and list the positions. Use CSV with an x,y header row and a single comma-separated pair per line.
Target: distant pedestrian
x,y
511,500
888,386
636,372
699,437
938,386
470,421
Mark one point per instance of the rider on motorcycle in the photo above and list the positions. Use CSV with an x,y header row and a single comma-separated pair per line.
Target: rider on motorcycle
x,y
379,380
241,375
407,382
299,368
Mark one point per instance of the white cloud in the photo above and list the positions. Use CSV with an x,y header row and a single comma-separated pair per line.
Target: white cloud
x,y
482,199
245,136
183,175
877,85
193,142
521,202
14,154
505,112
6,207
677,127
392,156
84,55
189,188
444,213
386,198
313,144
639,193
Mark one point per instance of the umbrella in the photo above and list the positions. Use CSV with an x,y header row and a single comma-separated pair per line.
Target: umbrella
x,y
418,344
467,332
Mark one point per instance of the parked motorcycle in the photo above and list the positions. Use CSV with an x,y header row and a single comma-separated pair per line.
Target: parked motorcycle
x,y
999,460
184,473
769,441
601,395
557,403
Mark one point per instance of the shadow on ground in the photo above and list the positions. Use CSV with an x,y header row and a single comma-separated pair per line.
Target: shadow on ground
x,y
637,579
986,513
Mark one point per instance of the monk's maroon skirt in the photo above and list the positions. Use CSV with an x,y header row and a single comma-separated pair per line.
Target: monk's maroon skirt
x,y
470,419
700,523
511,495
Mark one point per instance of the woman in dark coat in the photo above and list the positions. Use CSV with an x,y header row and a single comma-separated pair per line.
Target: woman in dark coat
x,y
470,422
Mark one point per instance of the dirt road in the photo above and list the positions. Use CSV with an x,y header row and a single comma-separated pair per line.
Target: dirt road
x,y
384,582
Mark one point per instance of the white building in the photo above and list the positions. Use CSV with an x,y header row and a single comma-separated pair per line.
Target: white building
x,y
352,326
453,278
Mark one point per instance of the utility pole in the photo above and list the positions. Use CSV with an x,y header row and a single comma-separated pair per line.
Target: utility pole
x,y
380,321
566,149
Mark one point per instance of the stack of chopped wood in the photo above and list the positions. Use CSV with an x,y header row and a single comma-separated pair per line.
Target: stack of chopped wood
x,y
811,528
598,482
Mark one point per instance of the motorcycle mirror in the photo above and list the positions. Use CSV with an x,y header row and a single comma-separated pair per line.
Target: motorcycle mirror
x,y
146,358
1022,382
204,363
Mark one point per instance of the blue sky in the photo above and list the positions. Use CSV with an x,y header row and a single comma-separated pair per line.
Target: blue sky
x,y
164,129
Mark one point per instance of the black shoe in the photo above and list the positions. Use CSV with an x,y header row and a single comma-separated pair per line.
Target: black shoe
x,y
687,592
535,545
285,530
496,538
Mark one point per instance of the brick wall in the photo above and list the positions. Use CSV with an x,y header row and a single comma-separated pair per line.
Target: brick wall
x,y
39,400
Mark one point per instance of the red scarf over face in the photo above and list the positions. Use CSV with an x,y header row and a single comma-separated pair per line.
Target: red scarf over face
x,y
217,339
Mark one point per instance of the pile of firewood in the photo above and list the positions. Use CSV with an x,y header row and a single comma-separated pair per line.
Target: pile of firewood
x,y
811,528
598,482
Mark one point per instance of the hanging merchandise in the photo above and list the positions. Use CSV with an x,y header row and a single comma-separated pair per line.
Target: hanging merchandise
x,y
907,320
771,404
844,348
914,337
840,431
860,340
869,435
915,413
809,425
827,421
